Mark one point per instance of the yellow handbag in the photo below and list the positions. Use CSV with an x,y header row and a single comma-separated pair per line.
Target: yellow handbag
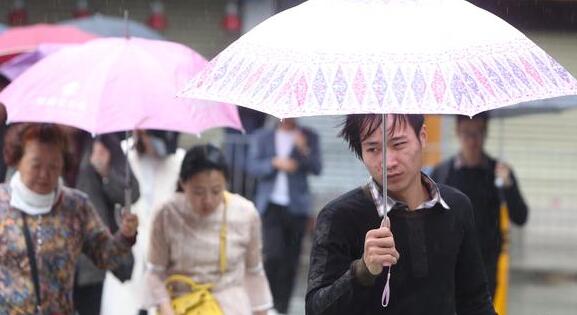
x,y
200,300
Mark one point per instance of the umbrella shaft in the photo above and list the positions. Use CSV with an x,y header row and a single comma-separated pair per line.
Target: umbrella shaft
x,y
384,151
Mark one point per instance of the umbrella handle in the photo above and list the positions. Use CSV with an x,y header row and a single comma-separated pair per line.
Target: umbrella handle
x,y
127,199
127,179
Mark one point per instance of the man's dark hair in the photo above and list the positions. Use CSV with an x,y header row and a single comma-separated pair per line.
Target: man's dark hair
x,y
202,158
358,127
484,116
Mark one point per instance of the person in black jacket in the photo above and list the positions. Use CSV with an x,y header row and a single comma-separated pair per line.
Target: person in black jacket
x,y
487,183
423,231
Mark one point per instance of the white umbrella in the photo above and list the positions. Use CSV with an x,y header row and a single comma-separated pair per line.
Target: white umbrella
x,y
327,57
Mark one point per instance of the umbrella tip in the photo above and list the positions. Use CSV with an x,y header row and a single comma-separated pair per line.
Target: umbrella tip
x,y
126,25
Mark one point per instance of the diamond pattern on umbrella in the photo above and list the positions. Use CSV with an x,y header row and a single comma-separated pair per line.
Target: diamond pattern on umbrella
x,y
253,78
221,71
320,87
229,78
471,84
419,85
241,76
275,84
301,90
482,79
340,86
439,87
496,79
399,86
544,69
204,76
459,91
265,80
285,88
519,73
380,86
507,75
359,86
532,71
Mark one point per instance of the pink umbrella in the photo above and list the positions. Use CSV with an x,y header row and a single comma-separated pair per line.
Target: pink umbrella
x,y
114,84
26,38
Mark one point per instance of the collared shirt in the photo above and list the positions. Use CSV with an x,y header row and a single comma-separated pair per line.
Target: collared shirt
x,y
430,185
284,144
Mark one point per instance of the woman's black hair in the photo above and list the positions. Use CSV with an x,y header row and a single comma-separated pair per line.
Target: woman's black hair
x,y
202,158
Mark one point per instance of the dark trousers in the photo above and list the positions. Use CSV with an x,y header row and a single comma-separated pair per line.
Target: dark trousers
x,y
282,238
87,299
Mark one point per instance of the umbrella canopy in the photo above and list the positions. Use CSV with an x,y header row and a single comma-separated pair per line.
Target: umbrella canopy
x,y
18,64
114,84
332,57
16,40
110,26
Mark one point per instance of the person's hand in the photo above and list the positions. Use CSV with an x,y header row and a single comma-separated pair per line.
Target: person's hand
x,y
287,165
129,225
301,143
380,248
100,158
503,174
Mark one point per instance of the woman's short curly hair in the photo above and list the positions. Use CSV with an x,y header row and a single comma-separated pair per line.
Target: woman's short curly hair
x,y
18,135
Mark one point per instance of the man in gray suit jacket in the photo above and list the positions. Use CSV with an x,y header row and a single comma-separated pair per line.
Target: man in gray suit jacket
x,y
102,177
281,160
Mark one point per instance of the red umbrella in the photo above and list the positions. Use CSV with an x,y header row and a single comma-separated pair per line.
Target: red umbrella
x,y
16,40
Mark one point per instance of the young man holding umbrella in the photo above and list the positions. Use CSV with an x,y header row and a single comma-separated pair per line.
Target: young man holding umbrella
x,y
427,237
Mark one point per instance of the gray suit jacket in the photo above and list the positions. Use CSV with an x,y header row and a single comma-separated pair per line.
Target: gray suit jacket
x,y
104,195
261,153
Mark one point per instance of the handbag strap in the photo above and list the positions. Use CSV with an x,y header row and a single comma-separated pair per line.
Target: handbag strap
x,y
32,261
223,260
178,278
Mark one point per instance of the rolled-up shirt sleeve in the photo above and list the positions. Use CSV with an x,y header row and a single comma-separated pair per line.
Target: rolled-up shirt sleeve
x,y
255,281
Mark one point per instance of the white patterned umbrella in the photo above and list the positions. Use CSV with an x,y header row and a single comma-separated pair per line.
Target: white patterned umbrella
x,y
334,57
